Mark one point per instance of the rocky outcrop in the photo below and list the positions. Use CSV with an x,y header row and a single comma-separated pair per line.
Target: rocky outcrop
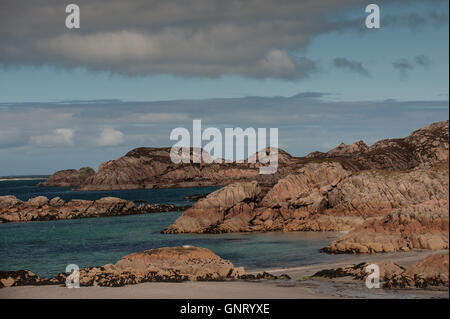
x,y
317,197
41,208
68,177
307,187
290,205
358,271
152,168
209,211
348,150
160,264
421,226
378,192
429,272
18,278
428,145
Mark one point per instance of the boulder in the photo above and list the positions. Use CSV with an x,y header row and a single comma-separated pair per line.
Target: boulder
x,y
185,263
9,201
56,201
38,201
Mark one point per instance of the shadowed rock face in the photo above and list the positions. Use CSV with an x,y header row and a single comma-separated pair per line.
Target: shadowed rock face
x,y
431,271
152,167
161,264
68,177
41,208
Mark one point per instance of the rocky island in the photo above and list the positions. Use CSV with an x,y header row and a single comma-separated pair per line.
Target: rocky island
x,y
40,208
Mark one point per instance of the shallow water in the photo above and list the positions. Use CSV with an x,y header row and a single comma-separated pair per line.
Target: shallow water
x,y
47,247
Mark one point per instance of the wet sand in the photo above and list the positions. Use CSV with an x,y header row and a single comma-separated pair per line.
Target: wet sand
x,y
277,289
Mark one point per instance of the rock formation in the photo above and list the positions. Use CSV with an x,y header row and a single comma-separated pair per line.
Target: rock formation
x,y
421,226
161,264
319,197
68,177
152,167
19,278
424,146
431,271
41,208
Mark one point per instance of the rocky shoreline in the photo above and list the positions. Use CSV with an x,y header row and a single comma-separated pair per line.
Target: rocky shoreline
x,y
432,271
188,263
41,208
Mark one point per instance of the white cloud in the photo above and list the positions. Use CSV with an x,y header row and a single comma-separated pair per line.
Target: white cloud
x,y
60,137
110,137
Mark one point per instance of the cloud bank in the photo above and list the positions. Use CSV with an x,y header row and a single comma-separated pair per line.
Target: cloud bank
x,y
251,38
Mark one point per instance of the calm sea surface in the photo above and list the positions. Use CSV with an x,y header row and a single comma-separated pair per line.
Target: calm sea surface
x,y
47,247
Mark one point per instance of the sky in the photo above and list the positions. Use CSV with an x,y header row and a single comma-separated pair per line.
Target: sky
x,y
135,70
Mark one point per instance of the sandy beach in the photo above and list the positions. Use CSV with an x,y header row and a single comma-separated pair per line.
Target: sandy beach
x,y
277,289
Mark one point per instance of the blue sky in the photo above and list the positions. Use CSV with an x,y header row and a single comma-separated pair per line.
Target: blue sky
x,y
406,61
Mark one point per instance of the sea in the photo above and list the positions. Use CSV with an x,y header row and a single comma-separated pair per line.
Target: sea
x,y
47,247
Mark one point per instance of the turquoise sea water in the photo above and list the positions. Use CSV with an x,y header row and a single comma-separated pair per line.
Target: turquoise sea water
x,y
47,247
